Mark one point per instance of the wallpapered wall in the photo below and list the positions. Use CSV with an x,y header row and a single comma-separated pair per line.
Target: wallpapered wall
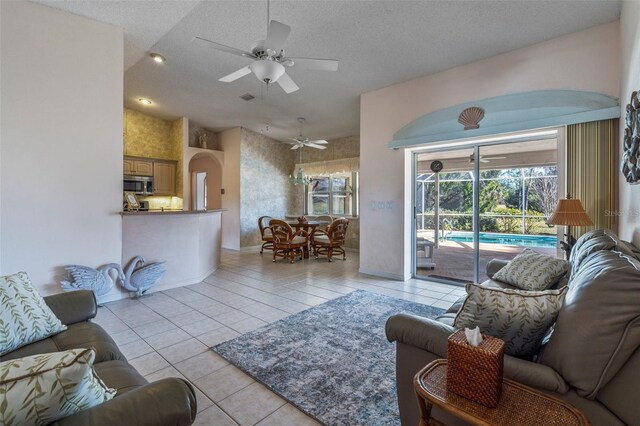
x,y
147,136
265,166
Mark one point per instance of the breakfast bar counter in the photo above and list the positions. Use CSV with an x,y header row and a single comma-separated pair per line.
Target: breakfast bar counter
x,y
189,241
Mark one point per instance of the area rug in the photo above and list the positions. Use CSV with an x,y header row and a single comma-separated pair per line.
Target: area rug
x,y
332,361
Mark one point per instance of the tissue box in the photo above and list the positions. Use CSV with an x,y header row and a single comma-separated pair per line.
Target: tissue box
x,y
475,372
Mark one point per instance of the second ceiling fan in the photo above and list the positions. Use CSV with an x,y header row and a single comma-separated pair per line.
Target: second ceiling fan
x,y
269,58
301,141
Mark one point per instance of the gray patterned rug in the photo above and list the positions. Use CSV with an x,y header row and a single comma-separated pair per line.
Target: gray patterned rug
x,y
332,361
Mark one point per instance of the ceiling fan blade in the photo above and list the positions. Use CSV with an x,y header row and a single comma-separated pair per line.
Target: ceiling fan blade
x,y
277,34
312,64
484,160
287,84
221,47
320,141
494,158
235,75
313,145
296,146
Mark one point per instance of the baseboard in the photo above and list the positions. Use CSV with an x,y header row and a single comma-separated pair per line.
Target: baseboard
x,y
366,271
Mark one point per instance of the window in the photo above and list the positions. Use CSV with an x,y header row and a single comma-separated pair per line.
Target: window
x,y
334,194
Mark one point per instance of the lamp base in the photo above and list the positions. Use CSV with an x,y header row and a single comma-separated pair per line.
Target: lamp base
x,y
567,245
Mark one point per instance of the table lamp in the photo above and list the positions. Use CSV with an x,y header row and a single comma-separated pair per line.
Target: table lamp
x,y
569,212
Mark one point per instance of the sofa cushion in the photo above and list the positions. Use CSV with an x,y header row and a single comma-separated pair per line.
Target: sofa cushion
x,y
594,241
520,318
597,329
24,316
532,271
119,375
40,389
80,335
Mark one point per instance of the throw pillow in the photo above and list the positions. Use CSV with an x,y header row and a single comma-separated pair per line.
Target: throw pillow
x,y
40,389
520,318
532,271
24,315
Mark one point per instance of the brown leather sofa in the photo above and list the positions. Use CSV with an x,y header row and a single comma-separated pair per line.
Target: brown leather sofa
x,y
165,402
592,359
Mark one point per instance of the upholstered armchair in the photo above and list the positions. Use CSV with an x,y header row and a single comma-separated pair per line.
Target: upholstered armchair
x,y
265,233
286,242
330,242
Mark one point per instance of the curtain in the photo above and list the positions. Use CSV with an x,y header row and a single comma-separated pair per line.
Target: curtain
x,y
592,171
343,165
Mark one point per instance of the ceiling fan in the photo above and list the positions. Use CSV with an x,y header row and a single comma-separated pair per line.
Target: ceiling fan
x,y
484,159
269,58
302,141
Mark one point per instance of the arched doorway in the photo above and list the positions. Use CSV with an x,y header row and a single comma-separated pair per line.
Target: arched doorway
x,y
206,182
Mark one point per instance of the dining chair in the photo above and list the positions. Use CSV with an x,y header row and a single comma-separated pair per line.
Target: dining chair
x,y
287,243
265,233
330,242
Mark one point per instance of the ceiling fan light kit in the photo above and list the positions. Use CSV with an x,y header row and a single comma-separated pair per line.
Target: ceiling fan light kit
x,y
267,71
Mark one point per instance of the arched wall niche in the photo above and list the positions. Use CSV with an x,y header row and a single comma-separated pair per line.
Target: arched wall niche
x,y
210,163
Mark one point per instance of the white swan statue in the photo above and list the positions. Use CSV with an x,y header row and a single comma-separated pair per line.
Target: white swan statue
x,y
86,278
144,277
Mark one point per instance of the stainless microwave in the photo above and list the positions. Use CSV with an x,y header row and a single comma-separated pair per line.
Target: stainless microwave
x,y
142,185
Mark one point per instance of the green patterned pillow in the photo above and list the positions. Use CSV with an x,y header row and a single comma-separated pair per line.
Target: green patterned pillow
x,y
532,271
40,389
520,318
24,316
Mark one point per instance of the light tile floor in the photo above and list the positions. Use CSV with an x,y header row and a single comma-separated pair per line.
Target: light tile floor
x,y
169,333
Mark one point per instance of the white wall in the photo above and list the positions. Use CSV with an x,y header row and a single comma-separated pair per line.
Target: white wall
x,y
587,60
629,195
61,153
230,143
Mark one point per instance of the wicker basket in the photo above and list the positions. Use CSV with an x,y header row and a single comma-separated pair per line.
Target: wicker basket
x,y
475,372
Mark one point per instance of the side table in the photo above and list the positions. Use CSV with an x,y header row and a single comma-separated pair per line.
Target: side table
x,y
519,404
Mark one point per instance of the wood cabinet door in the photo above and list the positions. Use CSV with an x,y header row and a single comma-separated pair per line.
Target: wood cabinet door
x,y
164,178
128,168
143,167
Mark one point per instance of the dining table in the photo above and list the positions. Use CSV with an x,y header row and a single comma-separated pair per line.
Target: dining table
x,y
309,226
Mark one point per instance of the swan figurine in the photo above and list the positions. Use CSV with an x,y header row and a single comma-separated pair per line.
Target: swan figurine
x,y
144,277
86,278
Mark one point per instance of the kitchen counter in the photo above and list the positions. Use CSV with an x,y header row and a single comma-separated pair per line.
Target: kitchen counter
x,y
189,241
170,212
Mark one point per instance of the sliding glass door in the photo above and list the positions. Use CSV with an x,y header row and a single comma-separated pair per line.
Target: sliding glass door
x,y
444,205
482,202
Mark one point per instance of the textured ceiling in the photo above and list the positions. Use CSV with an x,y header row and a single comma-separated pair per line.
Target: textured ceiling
x,y
378,43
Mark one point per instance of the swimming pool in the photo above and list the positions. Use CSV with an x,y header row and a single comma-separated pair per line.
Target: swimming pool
x,y
545,241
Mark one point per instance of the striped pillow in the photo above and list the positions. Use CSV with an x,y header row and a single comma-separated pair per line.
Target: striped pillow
x,y
532,271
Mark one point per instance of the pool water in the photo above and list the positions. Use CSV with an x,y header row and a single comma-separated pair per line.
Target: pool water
x,y
545,241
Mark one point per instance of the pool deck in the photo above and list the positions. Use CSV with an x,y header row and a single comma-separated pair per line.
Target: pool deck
x,y
454,259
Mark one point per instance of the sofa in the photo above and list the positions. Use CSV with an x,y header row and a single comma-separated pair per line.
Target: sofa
x,y
169,401
591,356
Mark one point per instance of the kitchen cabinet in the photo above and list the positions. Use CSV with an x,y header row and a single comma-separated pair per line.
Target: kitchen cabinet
x,y
136,167
164,178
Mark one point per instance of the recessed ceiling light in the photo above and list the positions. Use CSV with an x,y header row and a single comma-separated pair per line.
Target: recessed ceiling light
x,y
158,58
144,101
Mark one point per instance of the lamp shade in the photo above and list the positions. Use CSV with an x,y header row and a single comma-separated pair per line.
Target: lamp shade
x,y
570,212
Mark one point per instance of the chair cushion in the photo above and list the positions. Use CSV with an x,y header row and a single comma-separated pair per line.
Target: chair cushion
x,y
267,233
298,240
532,271
599,327
41,389
321,238
24,315
520,318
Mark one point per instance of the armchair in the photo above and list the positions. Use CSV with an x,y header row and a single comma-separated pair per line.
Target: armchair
x,y
330,241
265,233
286,242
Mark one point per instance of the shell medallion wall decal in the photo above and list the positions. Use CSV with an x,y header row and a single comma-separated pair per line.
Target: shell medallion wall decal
x,y
470,117
630,162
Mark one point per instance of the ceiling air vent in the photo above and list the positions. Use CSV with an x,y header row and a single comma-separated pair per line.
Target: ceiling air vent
x,y
247,97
